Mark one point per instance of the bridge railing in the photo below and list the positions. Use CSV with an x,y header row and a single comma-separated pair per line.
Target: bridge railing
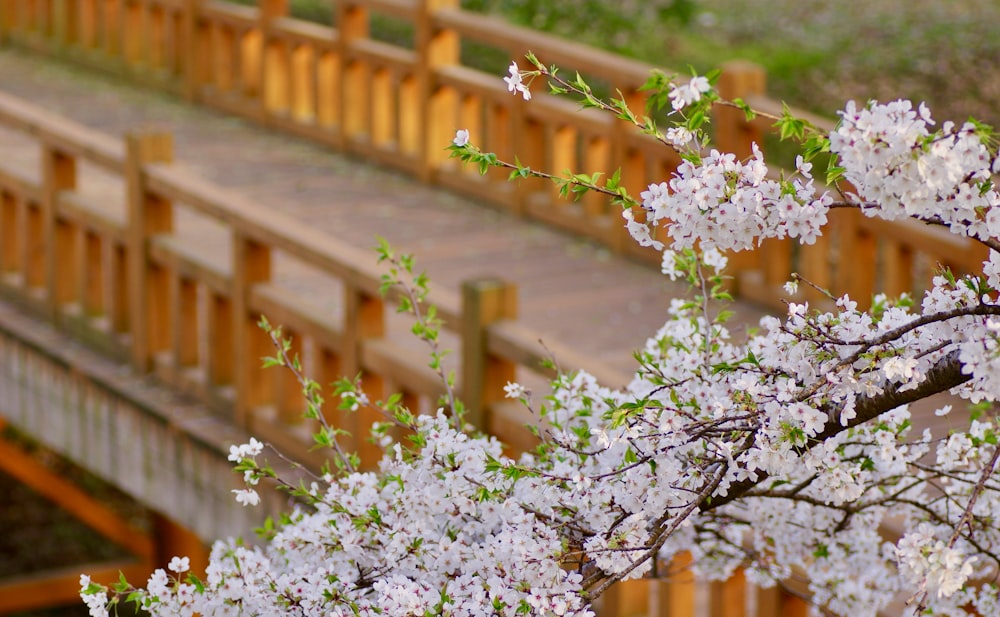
x,y
94,235
399,104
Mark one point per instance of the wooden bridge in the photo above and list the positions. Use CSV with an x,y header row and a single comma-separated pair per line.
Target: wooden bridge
x,y
135,261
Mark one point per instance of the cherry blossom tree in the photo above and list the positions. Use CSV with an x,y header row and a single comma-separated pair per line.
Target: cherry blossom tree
x,y
787,450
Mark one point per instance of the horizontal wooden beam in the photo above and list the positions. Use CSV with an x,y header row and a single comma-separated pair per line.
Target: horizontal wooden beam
x,y
60,587
89,511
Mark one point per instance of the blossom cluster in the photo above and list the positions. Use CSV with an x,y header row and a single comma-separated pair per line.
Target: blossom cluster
x,y
787,450
731,204
900,168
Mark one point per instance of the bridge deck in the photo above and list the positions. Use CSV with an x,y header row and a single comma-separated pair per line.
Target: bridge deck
x,y
574,292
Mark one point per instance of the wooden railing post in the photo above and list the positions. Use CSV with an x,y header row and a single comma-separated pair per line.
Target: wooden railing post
x,y
739,80
148,215
728,598
58,174
364,318
856,246
630,598
275,58
251,265
484,301
776,602
436,110
352,24
194,51
172,540
63,22
677,594
11,234
6,20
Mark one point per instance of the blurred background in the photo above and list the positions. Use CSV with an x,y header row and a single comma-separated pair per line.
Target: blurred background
x,y
817,53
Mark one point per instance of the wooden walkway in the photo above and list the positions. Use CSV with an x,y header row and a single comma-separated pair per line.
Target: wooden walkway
x,y
574,292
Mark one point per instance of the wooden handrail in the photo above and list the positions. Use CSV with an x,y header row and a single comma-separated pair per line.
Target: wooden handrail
x,y
136,293
400,106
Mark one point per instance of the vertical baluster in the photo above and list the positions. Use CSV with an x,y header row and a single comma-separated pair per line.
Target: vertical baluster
x,y
84,25
484,375
470,117
856,247
58,174
174,37
499,136
43,17
249,53
68,275
814,265
148,215
634,178
776,256
290,401
330,371
155,39
728,598
437,126
408,118
34,249
196,51
303,86
357,102
352,25
383,117
118,291
11,234
114,17
596,157
7,17
223,57
776,602
92,275
630,599
184,296
897,268
680,592
529,138
134,33
274,67
221,324
328,84
435,48
561,142
364,318
251,265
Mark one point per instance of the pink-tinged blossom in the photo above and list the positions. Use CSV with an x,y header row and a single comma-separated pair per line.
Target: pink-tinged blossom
x,y
515,81
179,564
247,497
686,94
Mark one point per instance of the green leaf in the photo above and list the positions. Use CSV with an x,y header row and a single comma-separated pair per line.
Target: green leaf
x,y
194,580
748,111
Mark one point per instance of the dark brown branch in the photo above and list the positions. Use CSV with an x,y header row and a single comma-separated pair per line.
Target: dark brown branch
x,y
943,376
